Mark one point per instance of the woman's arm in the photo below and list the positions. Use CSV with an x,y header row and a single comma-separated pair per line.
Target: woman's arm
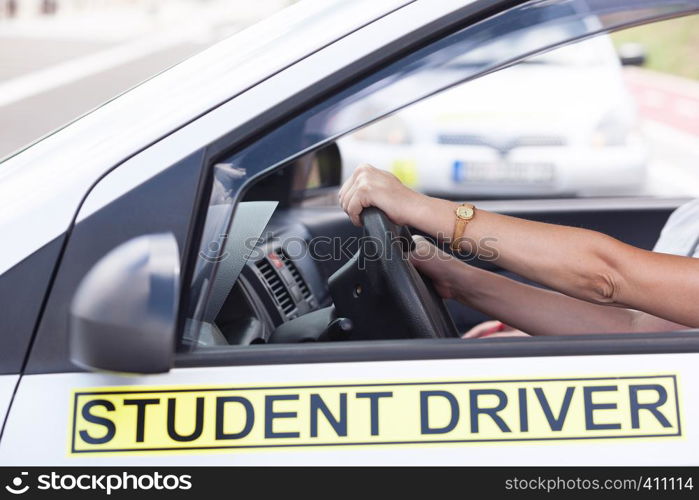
x,y
538,311
580,263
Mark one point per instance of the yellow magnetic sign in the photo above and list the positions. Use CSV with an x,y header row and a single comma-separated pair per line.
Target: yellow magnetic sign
x,y
187,419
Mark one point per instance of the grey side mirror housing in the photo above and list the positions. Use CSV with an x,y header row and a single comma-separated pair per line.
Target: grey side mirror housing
x,y
329,164
124,313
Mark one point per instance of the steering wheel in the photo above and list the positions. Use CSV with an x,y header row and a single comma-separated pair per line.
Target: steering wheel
x,y
380,290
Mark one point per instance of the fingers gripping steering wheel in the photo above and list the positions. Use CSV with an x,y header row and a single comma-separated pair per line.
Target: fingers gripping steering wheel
x,y
380,290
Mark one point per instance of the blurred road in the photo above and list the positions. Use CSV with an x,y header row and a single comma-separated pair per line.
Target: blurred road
x,y
669,110
54,69
27,119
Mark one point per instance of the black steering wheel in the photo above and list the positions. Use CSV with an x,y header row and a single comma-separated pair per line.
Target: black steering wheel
x,y
380,290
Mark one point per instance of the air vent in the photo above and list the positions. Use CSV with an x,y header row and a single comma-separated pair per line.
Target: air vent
x,y
275,284
295,273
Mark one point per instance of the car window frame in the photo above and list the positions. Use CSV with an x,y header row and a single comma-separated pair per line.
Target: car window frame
x,y
684,341
239,115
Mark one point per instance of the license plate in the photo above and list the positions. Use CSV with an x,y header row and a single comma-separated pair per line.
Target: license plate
x,y
502,172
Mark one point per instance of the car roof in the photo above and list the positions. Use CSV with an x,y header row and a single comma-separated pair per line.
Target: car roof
x,y
54,167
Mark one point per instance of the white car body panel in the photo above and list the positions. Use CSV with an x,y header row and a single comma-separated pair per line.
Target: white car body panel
x,y
7,389
33,440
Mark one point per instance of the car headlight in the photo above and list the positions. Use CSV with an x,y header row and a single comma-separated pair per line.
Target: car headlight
x,y
391,130
613,130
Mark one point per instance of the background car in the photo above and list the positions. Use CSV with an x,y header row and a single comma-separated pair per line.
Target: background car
x,y
559,124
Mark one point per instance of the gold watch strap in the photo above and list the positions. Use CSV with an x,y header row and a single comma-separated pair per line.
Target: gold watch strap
x,y
464,213
459,229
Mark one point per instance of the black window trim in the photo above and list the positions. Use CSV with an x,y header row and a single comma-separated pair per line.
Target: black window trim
x,y
680,342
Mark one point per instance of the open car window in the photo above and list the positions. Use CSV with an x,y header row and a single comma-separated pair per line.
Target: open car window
x,y
522,32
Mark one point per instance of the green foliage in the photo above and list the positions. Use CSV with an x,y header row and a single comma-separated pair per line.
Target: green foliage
x,y
672,46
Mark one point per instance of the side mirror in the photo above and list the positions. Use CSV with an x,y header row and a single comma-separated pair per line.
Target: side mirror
x,y
124,313
316,174
632,54
329,165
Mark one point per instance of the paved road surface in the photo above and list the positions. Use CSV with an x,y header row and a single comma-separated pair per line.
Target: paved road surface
x,y
24,121
53,70
20,56
666,99
669,109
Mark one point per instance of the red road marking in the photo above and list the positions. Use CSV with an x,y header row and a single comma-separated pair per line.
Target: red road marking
x,y
663,100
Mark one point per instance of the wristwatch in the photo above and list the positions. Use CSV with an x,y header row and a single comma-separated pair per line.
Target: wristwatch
x,y
464,213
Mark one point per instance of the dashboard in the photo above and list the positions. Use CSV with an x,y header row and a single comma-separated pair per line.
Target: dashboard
x,y
287,276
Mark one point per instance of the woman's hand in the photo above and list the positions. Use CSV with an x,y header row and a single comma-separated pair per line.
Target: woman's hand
x,y
370,187
492,329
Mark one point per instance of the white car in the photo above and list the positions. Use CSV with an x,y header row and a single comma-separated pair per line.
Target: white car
x,y
168,298
559,124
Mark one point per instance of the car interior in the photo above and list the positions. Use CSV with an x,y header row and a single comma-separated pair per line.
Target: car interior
x,y
311,275
305,273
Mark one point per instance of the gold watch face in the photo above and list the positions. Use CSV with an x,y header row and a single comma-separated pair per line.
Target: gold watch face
x,y
464,212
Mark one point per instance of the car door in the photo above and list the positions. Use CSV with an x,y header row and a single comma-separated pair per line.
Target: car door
x,y
106,141
588,400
